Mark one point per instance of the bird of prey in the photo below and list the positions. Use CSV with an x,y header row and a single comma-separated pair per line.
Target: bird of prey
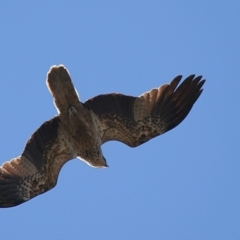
x,y
79,130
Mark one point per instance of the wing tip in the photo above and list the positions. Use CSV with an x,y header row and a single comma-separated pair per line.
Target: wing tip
x,y
184,97
9,198
9,193
8,204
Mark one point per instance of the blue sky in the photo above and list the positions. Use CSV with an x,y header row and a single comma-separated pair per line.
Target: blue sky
x,y
182,185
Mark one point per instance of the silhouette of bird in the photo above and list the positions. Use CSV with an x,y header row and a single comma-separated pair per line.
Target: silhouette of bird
x,y
79,130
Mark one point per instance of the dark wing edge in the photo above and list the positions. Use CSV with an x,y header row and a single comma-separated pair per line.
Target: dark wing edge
x,y
135,120
28,175
177,104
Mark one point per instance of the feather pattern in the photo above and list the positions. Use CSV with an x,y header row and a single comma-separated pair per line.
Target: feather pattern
x,y
80,129
135,120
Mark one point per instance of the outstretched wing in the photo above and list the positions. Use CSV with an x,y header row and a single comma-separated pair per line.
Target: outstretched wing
x,y
36,170
135,120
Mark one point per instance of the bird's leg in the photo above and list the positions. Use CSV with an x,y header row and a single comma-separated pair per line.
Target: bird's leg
x,y
72,111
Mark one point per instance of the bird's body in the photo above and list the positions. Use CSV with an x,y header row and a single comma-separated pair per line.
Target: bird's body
x,y
80,129
78,123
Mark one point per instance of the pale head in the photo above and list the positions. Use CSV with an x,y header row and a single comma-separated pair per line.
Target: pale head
x,y
98,163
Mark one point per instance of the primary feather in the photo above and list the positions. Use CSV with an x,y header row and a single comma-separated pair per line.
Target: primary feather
x,y
80,129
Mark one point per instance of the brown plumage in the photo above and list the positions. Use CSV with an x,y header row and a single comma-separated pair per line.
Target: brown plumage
x,y
81,128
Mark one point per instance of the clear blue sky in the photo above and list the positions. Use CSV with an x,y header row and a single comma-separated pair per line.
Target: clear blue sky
x,y
182,185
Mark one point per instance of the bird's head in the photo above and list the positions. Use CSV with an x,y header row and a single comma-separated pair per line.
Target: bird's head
x,y
100,163
93,159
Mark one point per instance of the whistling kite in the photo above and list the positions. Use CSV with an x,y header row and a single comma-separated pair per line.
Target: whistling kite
x,y
80,129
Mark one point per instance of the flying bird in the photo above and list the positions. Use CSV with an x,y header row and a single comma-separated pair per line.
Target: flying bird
x,y
79,130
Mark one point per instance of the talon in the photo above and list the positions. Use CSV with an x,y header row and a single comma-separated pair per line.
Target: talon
x,y
72,111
